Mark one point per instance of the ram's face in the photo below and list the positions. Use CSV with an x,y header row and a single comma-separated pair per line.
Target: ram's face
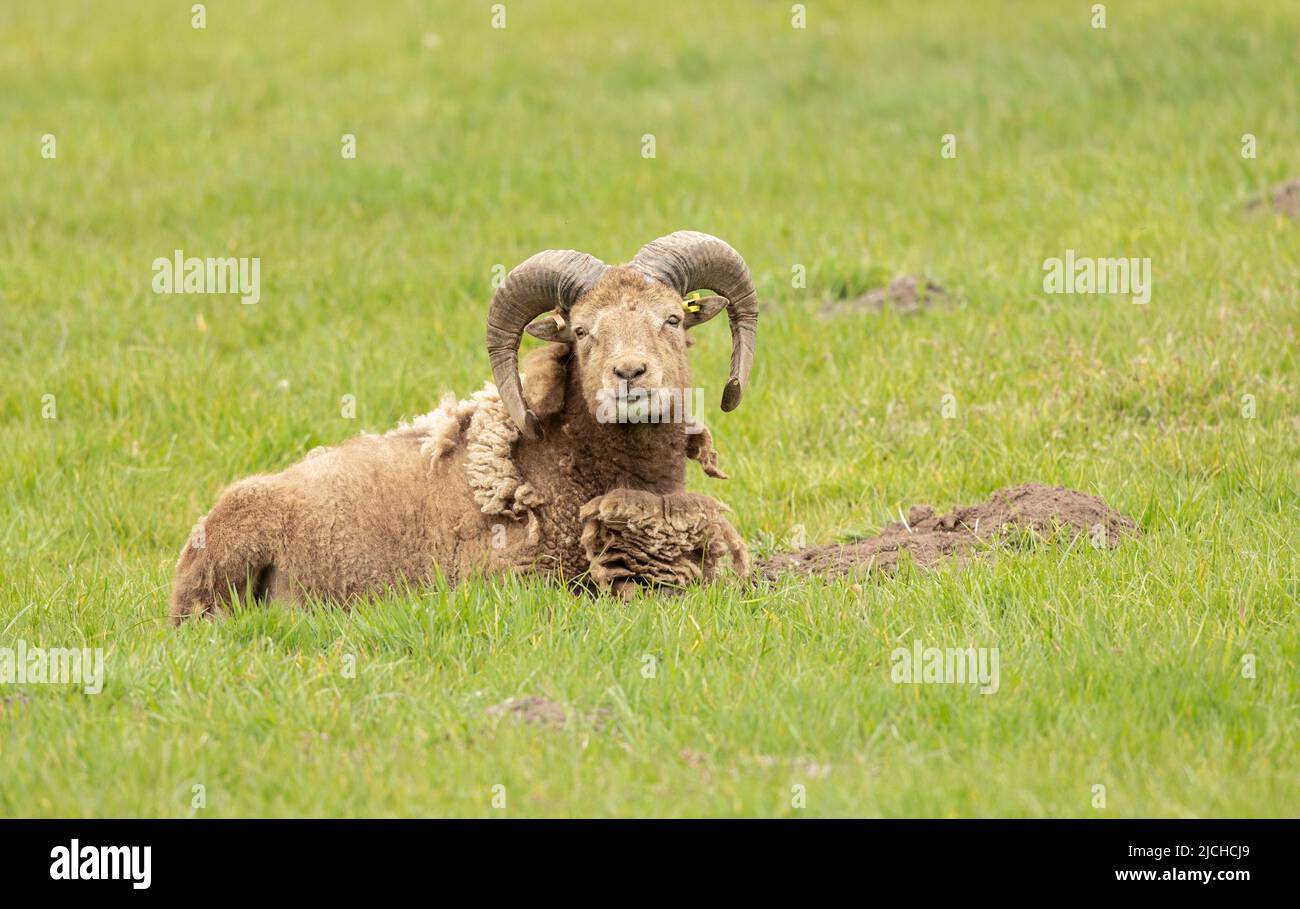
x,y
629,339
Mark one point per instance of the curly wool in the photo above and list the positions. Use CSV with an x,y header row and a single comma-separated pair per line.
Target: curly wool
x,y
490,436
493,477
636,537
439,430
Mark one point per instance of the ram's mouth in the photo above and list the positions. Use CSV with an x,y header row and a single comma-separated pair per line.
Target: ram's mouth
x,y
630,390
635,409
635,404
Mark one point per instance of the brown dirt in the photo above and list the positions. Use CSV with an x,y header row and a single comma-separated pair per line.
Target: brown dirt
x,y
929,538
541,712
1283,199
12,701
908,294
531,709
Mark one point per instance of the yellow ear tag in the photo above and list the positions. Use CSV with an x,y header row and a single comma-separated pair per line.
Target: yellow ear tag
x,y
689,303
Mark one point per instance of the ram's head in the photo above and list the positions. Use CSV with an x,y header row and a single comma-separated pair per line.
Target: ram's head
x,y
626,324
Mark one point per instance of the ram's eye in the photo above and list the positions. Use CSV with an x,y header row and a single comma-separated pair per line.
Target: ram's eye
x,y
674,320
580,332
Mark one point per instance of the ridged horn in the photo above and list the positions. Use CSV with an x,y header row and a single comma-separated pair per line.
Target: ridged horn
x,y
555,278
688,260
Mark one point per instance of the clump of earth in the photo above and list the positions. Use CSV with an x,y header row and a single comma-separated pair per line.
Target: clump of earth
x,y
12,702
927,538
539,711
1284,198
908,294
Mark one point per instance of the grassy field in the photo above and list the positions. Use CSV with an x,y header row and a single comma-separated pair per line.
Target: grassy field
x,y
123,412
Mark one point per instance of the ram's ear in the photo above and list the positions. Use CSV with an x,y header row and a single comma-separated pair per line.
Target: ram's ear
x,y
544,371
702,310
551,327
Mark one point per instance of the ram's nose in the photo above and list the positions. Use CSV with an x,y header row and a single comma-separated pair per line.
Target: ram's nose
x,y
629,370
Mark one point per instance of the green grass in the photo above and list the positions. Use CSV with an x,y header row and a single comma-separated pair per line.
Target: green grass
x,y
817,147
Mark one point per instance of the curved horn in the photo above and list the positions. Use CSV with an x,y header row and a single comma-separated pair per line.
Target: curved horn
x,y
688,260
550,279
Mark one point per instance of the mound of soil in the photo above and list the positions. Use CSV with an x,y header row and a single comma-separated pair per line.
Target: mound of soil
x,y
12,702
908,294
1283,199
531,709
928,538
539,711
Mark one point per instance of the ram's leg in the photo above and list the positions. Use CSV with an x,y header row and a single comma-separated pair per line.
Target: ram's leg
x,y
232,551
699,447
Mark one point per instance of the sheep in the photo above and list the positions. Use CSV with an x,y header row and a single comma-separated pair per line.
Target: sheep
x,y
511,479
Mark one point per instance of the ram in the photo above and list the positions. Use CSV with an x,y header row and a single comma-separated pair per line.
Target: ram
x,y
558,471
